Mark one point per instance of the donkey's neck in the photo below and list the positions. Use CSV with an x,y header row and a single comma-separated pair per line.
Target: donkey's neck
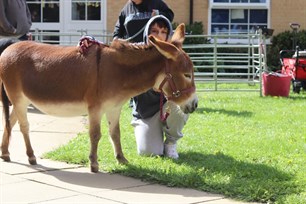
x,y
146,74
141,67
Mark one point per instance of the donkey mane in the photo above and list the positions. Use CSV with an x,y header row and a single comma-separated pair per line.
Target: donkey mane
x,y
131,54
125,46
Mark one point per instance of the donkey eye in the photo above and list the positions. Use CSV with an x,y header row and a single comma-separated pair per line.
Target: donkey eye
x,y
187,75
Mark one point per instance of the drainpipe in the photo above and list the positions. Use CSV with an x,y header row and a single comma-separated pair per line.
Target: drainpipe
x,y
190,11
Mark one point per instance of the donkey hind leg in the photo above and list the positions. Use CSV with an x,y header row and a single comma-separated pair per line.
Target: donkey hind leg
x,y
21,112
113,118
95,135
5,155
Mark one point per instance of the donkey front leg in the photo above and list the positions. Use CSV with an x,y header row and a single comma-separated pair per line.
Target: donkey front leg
x,y
95,135
113,117
21,112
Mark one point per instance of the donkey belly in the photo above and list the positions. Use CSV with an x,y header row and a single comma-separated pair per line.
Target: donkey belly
x,y
67,109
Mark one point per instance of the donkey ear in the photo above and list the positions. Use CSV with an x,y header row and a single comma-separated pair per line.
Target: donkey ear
x,y
179,36
166,49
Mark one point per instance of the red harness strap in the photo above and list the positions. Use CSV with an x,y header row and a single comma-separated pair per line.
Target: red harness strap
x,y
85,42
163,117
175,92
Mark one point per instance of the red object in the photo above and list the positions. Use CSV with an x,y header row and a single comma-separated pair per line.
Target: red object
x,y
297,69
276,84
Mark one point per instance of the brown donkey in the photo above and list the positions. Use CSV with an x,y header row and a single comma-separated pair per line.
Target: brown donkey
x,y
61,81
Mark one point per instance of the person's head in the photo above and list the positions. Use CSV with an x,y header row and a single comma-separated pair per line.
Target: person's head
x,y
158,26
159,29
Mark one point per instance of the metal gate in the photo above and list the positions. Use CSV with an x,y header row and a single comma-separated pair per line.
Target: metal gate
x,y
216,62
219,62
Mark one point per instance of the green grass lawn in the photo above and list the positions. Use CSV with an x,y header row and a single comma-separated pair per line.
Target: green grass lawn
x,y
237,144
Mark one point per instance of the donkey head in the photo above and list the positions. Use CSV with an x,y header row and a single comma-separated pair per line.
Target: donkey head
x,y
177,82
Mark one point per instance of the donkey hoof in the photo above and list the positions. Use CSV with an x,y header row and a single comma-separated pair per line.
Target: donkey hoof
x,y
32,161
5,158
94,168
122,160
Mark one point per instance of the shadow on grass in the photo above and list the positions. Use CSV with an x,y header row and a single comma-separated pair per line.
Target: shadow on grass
x,y
292,96
223,174
297,97
225,112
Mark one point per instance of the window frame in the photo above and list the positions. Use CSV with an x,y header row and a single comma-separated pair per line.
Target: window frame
x,y
237,5
67,25
41,5
86,2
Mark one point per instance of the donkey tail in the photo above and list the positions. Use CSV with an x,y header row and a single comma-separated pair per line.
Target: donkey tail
x,y
6,108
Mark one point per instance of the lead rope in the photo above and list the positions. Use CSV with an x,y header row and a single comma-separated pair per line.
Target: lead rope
x,y
135,35
163,117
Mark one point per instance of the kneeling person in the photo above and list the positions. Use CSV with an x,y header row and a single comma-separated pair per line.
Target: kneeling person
x,y
154,136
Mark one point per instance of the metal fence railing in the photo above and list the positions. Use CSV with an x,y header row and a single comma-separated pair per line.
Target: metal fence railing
x,y
219,62
71,38
216,61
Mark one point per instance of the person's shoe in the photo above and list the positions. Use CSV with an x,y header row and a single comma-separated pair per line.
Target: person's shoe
x,y
170,151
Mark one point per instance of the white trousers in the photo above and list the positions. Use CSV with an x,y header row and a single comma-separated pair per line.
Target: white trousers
x,y
151,133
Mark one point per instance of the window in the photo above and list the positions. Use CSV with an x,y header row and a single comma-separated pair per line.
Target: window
x,y
229,21
239,1
230,17
86,10
44,10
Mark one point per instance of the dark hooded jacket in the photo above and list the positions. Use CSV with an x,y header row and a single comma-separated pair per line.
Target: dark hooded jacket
x,y
15,18
148,104
133,18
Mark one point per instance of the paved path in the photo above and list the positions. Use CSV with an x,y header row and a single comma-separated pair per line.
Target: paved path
x,y
57,182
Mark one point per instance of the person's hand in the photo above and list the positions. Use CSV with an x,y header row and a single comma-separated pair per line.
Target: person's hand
x,y
155,12
84,44
29,35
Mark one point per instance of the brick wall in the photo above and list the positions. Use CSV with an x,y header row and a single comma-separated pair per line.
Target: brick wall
x,y
200,14
282,13
181,10
113,9
179,7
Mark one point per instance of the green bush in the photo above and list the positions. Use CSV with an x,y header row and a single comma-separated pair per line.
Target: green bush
x,y
284,41
195,28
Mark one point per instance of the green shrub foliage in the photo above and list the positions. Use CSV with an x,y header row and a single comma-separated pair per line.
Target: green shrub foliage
x,y
195,28
284,41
